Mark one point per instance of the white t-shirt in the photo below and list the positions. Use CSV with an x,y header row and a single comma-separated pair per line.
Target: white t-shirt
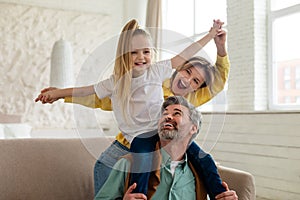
x,y
145,102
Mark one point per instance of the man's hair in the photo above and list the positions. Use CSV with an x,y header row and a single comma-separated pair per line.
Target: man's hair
x,y
195,115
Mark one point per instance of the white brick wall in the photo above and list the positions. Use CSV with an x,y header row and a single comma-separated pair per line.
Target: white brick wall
x,y
247,29
264,144
240,49
260,55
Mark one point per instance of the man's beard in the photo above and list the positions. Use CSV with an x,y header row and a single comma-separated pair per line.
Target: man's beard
x,y
168,134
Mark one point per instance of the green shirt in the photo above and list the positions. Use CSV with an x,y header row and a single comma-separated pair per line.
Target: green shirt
x,y
177,187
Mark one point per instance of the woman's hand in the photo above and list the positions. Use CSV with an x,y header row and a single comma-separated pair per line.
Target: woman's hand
x,y
220,41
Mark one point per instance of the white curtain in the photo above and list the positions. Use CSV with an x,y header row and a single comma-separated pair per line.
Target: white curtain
x,y
154,22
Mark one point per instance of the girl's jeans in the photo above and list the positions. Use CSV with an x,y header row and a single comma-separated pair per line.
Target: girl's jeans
x,y
106,162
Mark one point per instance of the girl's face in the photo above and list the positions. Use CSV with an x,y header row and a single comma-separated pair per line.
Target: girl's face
x,y
187,81
140,54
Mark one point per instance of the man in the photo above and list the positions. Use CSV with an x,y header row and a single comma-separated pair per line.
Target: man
x,y
173,176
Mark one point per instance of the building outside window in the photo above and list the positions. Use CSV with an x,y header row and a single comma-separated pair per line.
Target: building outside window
x,y
285,56
297,77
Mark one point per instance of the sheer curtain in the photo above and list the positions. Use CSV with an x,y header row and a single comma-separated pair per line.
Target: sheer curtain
x,y
154,21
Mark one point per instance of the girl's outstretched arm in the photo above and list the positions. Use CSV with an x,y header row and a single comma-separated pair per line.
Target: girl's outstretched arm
x,y
91,101
49,96
191,50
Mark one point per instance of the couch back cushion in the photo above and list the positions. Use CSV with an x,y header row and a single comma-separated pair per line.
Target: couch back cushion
x,y
48,168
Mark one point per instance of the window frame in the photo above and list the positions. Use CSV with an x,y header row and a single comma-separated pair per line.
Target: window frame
x,y
272,16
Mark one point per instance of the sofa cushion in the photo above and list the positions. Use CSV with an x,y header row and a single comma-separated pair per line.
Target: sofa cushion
x,y
46,169
240,181
62,169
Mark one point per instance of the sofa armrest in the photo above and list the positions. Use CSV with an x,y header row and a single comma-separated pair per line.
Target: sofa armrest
x,y
240,181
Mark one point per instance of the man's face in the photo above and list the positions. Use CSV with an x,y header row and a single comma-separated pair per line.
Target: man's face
x,y
175,123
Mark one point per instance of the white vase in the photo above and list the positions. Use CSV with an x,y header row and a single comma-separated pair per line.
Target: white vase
x,y
61,74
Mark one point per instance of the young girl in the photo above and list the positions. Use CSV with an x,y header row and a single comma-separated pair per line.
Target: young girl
x,y
132,69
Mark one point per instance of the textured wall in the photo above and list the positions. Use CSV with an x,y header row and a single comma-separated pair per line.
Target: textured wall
x,y
27,36
247,47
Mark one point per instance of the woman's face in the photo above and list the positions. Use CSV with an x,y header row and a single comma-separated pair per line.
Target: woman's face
x,y
187,81
140,54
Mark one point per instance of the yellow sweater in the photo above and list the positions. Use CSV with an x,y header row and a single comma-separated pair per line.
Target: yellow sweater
x,y
197,98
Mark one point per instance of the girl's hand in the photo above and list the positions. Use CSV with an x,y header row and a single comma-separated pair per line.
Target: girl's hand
x,y
216,28
48,89
47,95
218,24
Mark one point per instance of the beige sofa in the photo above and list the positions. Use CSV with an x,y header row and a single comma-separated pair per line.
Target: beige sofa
x,y
57,169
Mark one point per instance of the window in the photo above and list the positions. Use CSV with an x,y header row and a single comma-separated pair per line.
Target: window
x,y
280,4
190,20
297,77
287,99
285,57
287,78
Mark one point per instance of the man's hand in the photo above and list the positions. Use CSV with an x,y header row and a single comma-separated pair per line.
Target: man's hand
x,y
228,195
130,196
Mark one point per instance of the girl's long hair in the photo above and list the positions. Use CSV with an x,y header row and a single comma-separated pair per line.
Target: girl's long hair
x,y
123,63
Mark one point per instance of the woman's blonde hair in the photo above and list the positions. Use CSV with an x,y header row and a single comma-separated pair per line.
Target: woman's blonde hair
x,y
123,63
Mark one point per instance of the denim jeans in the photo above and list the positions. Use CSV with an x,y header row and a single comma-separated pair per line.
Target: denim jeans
x,y
105,163
206,169
202,162
142,148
